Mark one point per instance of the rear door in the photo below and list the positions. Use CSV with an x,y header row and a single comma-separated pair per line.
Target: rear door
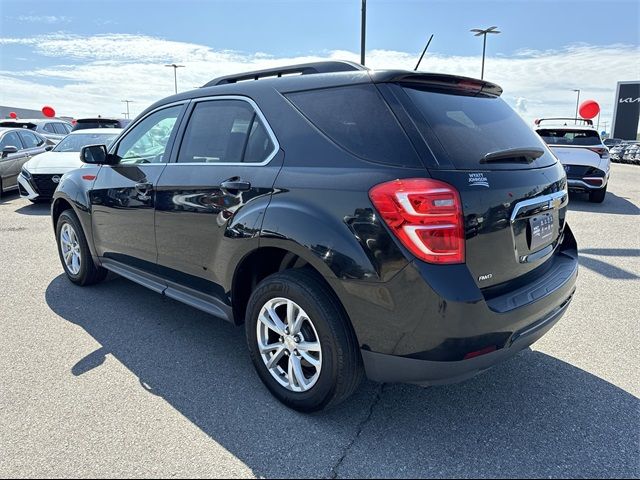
x,y
123,195
513,190
214,194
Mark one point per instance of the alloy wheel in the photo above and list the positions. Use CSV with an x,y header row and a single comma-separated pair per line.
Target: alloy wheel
x,y
289,344
70,249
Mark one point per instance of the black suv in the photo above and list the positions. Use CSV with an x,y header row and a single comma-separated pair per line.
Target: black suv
x,y
403,225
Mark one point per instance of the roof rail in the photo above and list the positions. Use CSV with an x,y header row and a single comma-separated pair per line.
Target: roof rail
x,y
586,121
302,69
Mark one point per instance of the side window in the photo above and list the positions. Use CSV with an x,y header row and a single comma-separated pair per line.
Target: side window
x,y
11,139
30,140
147,141
359,120
49,128
60,128
225,131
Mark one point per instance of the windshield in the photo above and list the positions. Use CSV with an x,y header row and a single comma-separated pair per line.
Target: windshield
x,y
562,136
74,143
469,127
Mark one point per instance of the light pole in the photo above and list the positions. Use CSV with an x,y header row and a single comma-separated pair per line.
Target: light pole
x,y
175,75
478,32
577,103
363,30
127,102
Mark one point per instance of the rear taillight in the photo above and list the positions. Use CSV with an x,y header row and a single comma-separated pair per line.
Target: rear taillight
x,y
603,152
425,215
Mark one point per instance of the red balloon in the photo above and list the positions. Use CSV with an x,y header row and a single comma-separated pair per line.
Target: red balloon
x,y
13,115
48,111
589,109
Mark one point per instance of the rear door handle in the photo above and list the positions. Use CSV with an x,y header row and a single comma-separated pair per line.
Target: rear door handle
x,y
236,184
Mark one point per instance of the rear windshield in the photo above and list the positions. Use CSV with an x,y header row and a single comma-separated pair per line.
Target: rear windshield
x,y
358,119
569,137
80,125
465,128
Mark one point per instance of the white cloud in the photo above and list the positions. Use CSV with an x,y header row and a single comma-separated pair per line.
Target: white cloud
x,y
96,72
50,19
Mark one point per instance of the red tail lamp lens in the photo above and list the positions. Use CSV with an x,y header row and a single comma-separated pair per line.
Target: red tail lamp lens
x,y
425,215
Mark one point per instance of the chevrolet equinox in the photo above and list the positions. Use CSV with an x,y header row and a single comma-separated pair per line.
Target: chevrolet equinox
x,y
405,226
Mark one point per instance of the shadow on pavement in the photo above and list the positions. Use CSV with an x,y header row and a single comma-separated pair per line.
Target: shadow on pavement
x,y
533,416
612,204
607,269
40,209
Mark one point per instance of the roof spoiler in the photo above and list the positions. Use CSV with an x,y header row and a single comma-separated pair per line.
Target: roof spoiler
x,y
17,124
586,121
447,82
302,69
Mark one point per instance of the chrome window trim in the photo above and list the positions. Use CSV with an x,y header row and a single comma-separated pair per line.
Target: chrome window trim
x,y
548,199
254,105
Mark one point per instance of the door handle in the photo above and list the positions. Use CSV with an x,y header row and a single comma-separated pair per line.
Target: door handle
x,y
237,184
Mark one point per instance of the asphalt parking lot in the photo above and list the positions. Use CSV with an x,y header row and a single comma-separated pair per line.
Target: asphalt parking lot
x,y
114,380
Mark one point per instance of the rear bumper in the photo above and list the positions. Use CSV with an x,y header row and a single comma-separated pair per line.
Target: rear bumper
x,y
391,368
428,325
592,179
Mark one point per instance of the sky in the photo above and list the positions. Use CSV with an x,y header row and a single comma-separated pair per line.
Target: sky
x,y
84,57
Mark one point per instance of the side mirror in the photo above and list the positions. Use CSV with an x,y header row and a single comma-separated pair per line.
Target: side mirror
x,y
8,150
48,148
97,155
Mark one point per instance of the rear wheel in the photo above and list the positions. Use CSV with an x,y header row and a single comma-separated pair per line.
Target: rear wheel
x,y
597,196
301,342
74,252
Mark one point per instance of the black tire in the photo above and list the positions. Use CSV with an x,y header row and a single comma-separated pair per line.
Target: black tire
x,y
341,372
89,273
597,196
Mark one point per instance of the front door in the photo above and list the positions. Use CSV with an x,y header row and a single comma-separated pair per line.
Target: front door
x,y
9,168
213,194
123,195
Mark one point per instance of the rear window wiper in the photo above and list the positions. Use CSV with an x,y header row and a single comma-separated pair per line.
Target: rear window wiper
x,y
513,155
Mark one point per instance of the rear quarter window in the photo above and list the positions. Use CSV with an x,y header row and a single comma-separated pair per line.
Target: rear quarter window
x,y
357,119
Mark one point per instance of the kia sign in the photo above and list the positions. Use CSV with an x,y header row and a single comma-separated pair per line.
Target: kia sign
x,y
626,111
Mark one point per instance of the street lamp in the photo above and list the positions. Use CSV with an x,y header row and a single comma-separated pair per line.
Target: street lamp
x,y
175,75
577,103
127,102
478,32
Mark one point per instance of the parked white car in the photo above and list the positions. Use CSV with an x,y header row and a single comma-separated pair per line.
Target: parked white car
x,y
40,175
581,151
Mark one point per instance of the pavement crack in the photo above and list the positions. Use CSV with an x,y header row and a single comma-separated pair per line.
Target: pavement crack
x,y
360,428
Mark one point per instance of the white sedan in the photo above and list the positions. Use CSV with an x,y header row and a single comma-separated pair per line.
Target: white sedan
x,y
40,175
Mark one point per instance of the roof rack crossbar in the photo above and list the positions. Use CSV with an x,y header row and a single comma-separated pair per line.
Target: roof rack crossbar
x,y
573,119
302,69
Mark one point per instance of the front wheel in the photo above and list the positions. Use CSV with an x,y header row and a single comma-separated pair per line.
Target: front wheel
x,y
301,342
597,196
74,251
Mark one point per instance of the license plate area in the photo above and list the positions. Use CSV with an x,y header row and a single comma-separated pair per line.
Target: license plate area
x,y
541,230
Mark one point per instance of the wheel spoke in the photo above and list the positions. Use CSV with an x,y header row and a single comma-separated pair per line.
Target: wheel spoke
x,y
297,323
270,348
309,346
298,374
272,321
273,361
314,362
